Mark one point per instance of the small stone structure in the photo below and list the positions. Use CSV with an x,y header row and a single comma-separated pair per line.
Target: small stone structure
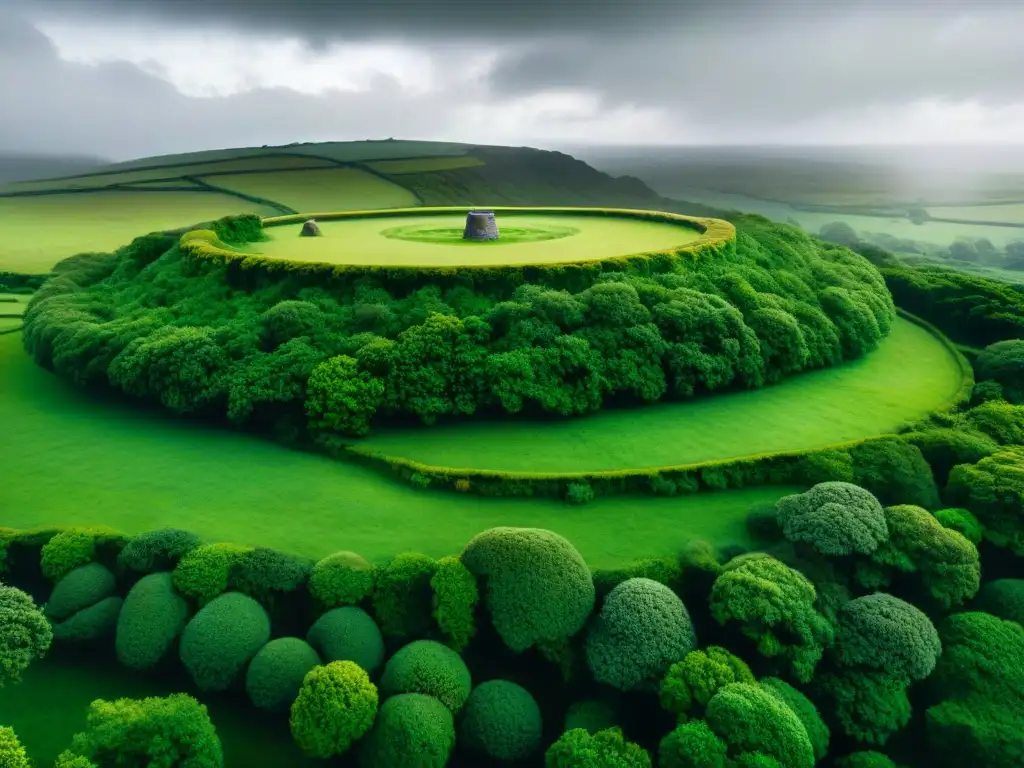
x,y
311,229
480,225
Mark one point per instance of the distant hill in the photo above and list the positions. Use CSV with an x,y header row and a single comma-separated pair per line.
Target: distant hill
x,y
15,166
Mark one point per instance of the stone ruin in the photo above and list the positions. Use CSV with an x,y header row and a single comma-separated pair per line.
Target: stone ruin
x,y
480,225
311,229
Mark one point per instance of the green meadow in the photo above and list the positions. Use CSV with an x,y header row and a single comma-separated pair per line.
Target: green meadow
x,y
83,460
330,189
911,374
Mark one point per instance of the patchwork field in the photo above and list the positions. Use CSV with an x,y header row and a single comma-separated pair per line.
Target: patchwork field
x,y
332,189
136,470
378,241
424,164
38,231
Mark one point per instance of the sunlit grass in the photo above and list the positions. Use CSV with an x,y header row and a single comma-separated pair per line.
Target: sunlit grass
x,y
332,189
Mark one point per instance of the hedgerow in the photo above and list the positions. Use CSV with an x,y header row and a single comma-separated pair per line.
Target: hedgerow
x,y
276,672
203,573
348,634
343,578
84,586
402,595
501,720
425,666
158,550
267,574
222,638
73,547
152,618
412,729
336,705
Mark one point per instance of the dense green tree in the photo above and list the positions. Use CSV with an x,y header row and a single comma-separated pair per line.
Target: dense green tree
x,y
804,709
152,618
834,518
348,634
428,667
1003,362
411,729
1003,598
204,573
343,578
961,521
336,706
888,636
12,753
25,634
82,587
1001,421
895,471
605,749
692,745
748,718
501,721
402,597
868,706
222,638
276,672
944,448
341,398
97,622
456,595
689,684
993,489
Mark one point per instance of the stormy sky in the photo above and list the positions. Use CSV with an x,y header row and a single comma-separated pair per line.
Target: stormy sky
x,y
125,78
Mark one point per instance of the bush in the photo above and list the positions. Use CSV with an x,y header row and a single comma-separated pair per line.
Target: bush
x,y
579,493
424,666
700,675
538,587
348,634
336,705
412,729
606,749
25,634
805,711
1001,421
67,759
12,754
152,618
170,731
774,606
158,550
895,471
642,628
203,573
749,719
276,673
222,638
692,745
342,398
74,547
887,635
868,706
502,721
84,586
264,574
402,599
961,521
834,518
1003,362
1003,598
343,578
664,570
865,759
592,715
993,489
96,622
455,599
943,449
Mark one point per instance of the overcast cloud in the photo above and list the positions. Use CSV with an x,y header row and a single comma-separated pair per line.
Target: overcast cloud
x,y
123,78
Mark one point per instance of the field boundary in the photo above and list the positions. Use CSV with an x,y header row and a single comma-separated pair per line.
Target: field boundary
x,y
768,468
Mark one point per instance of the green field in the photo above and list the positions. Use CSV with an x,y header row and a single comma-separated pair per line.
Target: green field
x,y
1011,212
910,375
80,459
38,231
48,707
333,189
361,241
425,164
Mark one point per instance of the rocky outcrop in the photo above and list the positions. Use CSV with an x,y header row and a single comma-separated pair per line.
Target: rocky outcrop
x,y
480,225
311,229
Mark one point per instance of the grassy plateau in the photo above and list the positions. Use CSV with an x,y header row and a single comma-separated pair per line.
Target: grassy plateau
x,y
394,241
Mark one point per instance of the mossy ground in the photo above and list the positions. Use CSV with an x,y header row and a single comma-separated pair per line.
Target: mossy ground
x,y
363,241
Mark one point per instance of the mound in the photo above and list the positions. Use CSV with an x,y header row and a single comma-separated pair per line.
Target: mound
x,y
427,667
501,721
93,623
348,634
725,311
84,586
151,620
411,729
222,638
276,673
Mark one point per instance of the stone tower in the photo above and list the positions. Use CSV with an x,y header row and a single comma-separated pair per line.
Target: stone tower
x,y
480,225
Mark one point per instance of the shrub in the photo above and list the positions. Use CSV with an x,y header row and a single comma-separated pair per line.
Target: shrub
x,y
84,586
25,634
343,578
342,398
502,721
993,489
348,634
1003,598
1003,362
591,715
170,731
402,599
12,754
67,759
289,319
1001,421
579,493
276,673
264,573
93,623
424,666
692,745
943,449
865,759
152,618
805,711
774,606
203,573
538,587
336,705
74,547
749,719
699,676
868,706
455,599
887,635
222,638
641,629
972,732
664,570
834,518
412,729
961,521
895,471
158,550
579,748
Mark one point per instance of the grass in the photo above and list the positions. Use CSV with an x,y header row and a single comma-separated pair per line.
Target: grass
x,y
425,164
73,458
454,235
360,241
48,707
37,232
910,375
336,189
9,323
